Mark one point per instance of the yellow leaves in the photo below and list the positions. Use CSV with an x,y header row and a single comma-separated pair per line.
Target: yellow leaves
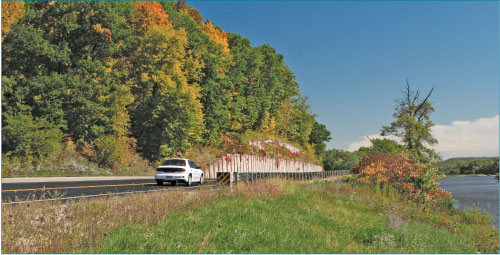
x,y
11,12
104,32
216,35
167,42
193,65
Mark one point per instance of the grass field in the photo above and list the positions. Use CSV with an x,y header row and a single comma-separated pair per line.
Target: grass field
x,y
275,216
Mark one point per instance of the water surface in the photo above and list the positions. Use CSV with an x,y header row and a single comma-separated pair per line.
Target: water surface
x,y
479,192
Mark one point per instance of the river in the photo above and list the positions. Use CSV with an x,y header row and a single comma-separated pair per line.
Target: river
x,y
474,192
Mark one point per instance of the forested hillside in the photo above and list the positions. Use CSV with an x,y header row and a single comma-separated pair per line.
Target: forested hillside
x,y
112,81
469,165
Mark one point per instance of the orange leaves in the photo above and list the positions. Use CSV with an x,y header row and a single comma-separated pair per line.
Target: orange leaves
x,y
396,170
11,12
374,173
402,173
216,34
195,14
182,7
148,14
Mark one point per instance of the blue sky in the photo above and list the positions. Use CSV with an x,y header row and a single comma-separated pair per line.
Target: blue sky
x,y
352,60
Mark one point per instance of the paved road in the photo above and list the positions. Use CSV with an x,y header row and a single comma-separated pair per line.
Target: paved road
x,y
21,189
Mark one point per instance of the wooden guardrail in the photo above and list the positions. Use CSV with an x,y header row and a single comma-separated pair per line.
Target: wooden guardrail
x,y
251,163
228,178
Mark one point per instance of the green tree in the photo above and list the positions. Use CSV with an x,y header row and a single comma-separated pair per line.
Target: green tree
x,y
264,87
294,120
60,64
386,146
413,123
244,74
206,64
28,137
340,160
319,135
168,114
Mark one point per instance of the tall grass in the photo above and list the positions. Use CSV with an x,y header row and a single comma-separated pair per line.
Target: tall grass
x,y
73,227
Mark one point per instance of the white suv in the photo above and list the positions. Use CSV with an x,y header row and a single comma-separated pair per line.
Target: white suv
x,y
178,170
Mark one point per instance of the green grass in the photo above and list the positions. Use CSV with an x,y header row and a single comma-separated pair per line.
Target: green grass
x,y
324,217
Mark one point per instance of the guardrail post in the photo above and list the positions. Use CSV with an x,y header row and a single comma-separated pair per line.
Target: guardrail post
x,y
225,178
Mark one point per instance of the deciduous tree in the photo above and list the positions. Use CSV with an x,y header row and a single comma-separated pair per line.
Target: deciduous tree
x,y
319,135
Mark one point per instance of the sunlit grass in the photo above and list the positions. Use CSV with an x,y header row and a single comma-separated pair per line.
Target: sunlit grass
x,y
316,218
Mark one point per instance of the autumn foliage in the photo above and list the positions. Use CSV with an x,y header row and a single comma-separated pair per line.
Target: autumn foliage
x,y
408,177
11,12
149,13
122,79
216,34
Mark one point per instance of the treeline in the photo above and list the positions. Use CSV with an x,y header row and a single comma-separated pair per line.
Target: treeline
x,y
115,79
469,166
335,159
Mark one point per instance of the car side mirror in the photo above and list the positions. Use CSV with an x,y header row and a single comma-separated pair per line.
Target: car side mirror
x,y
197,167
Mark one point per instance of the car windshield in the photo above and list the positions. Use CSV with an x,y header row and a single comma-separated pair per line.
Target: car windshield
x,y
174,162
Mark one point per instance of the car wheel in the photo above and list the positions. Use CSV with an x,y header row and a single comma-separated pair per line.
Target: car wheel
x,y
172,183
201,179
159,182
188,183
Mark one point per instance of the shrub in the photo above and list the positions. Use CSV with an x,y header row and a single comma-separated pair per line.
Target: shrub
x,y
112,151
414,180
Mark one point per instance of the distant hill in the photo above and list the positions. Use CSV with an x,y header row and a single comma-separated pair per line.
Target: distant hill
x,y
466,159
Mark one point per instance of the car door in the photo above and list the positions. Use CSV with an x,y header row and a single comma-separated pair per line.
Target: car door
x,y
194,171
200,172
